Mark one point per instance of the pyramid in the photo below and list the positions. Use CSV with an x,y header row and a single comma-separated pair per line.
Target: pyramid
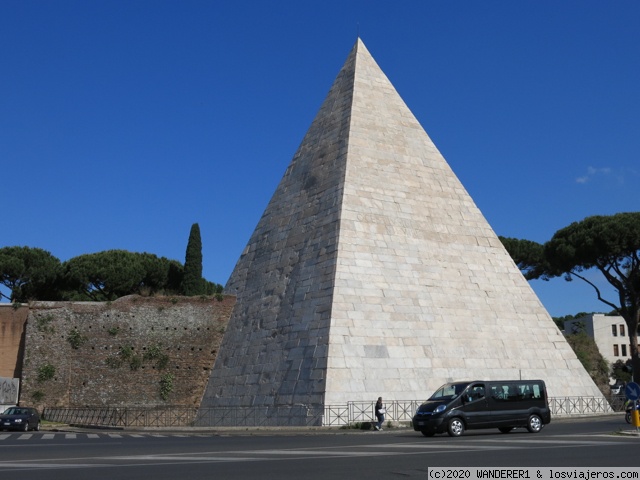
x,y
373,273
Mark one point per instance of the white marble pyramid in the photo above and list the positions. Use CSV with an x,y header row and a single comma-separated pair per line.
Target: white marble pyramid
x,y
373,273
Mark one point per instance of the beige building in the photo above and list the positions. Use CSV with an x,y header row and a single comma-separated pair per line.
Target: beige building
x,y
609,332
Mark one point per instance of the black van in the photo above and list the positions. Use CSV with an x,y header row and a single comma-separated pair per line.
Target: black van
x,y
504,404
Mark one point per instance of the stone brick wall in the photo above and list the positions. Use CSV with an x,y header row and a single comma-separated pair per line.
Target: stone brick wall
x,y
121,353
12,323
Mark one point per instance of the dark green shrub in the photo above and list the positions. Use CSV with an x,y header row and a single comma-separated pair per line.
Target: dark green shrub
x,y
166,385
46,372
155,353
75,339
37,396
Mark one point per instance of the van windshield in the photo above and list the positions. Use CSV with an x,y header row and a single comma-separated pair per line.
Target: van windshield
x,y
449,391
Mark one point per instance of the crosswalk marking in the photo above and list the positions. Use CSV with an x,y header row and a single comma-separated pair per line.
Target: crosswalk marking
x,y
480,442
75,435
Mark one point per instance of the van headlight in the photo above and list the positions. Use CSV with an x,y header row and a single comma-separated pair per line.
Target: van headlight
x,y
440,408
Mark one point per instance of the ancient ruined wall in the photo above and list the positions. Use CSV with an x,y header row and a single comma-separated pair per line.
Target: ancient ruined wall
x,y
12,322
135,351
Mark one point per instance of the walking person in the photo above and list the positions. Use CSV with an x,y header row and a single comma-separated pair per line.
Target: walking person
x,y
380,411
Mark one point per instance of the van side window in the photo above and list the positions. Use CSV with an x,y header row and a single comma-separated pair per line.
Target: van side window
x,y
537,391
516,392
475,393
499,392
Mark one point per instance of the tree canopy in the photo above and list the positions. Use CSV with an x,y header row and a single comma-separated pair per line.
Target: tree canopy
x,y
192,281
29,273
35,274
608,244
115,273
528,255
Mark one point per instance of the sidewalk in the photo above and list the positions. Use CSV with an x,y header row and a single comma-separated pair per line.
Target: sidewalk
x,y
396,427
244,430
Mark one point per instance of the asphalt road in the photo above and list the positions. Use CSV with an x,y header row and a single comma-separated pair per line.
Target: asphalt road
x,y
282,455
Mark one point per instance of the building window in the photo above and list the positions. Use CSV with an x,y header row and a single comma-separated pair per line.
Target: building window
x,y
614,330
616,353
622,330
624,350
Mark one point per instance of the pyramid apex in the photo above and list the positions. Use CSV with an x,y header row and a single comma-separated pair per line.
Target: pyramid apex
x,y
359,44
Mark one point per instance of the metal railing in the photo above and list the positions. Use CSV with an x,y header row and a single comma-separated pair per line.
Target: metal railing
x,y
565,406
295,416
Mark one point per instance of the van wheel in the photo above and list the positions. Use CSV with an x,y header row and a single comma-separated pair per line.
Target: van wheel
x,y
456,427
428,433
534,425
505,429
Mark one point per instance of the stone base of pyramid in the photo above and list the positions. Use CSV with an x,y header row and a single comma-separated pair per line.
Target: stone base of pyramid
x,y
268,416
373,273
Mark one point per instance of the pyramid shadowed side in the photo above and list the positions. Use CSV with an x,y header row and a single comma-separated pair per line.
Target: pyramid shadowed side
x,y
275,348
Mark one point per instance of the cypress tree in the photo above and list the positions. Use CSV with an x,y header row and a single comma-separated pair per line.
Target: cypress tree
x,y
192,281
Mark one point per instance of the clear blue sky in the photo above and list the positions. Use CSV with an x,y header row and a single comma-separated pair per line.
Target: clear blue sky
x,y
122,123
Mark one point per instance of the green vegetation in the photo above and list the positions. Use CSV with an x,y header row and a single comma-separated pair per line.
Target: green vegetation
x,y
192,281
75,338
34,274
113,331
37,396
593,362
29,273
113,274
609,245
622,371
166,385
135,362
114,362
43,323
155,353
127,355
46,372
126,352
